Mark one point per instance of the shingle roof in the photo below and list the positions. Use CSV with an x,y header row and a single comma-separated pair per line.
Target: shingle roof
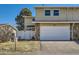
x,y
8,25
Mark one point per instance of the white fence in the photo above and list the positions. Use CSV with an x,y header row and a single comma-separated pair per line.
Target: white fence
x,y
25,34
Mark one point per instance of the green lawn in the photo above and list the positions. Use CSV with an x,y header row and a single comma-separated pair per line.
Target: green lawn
x,y
21,46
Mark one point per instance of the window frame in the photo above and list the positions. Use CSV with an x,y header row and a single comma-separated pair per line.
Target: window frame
x,y
56,12
45,12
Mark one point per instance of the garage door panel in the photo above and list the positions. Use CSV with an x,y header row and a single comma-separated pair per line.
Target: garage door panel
x,y
55,33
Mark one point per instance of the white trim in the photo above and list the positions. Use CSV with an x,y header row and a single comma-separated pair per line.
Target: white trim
x,y
56,22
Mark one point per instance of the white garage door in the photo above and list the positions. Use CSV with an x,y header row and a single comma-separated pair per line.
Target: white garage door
x,y
55,33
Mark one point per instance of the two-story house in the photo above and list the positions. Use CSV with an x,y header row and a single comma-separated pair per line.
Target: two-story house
x,y
56,23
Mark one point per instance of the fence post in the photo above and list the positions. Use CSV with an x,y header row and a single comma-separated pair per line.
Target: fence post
x,y
15,42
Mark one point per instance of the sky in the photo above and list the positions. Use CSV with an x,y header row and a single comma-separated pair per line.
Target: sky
x,y
8,12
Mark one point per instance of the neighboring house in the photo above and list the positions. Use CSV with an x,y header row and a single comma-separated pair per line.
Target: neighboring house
x,y
28,25
29,29
7,33
57,23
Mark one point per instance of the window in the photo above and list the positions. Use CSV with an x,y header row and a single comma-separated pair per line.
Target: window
x,y
31,27
33,19
47,12
56,12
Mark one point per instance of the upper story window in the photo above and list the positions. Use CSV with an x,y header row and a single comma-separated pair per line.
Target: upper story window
x,y
47,13
56,13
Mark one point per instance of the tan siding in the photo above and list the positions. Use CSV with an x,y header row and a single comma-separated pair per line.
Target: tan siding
x,y
69,13
65,14
28,21
73,14
39,12
76,14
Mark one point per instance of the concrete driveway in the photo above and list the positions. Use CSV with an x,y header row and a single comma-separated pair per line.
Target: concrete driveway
x,y
59,47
